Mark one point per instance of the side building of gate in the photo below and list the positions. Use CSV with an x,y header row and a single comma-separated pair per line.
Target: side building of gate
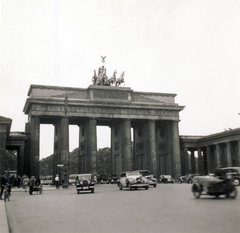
x,y
153,117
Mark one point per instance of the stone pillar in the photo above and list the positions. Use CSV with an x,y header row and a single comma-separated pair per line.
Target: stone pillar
x,y
92,146
193,167
186,161
176,150
3,139
200,161
34,149
238,154
209,160
20,161
229,155
152,147
218,153
127,146
63,146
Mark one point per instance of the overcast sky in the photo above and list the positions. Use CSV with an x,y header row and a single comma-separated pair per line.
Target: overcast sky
x,y
190,48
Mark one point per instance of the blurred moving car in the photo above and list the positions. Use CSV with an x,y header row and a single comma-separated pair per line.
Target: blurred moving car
x,y
113,179
85,182
132,180
149,176
187,178
234,172
166,179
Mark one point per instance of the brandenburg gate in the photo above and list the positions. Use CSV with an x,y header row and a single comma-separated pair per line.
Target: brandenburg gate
x,y
153,117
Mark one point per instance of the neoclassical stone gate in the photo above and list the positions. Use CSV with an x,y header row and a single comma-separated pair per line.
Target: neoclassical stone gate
x,y
154,118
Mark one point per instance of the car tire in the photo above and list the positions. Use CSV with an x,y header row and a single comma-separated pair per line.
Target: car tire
x,y
146,188
196,189
120,187
92,190
154,185
78,192
232,194
236,181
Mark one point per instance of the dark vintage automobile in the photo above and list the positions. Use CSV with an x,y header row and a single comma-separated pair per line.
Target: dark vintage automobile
x,y
214,186
85,182
166,179
113,179
102,179
234,172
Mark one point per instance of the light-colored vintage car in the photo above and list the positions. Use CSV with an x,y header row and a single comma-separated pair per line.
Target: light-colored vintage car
x,y
132,180
85,182
149,176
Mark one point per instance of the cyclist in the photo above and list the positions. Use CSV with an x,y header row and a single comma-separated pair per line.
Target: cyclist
x,y
3,183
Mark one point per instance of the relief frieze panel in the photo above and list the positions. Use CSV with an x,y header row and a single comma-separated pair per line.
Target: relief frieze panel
x,y
103,94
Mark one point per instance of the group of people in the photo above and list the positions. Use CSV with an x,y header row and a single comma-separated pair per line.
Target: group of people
x,y
23,182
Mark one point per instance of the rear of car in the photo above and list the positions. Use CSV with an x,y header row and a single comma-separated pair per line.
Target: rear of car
x,y
234,172
149,176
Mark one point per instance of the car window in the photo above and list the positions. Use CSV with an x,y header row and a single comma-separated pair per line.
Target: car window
x,y
123,175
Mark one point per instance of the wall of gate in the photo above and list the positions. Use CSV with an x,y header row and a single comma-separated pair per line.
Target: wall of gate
x,y
153,117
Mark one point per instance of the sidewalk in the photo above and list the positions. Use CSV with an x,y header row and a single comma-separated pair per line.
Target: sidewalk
x,y
3,218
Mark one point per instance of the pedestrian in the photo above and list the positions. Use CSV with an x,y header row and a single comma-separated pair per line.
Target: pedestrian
x,y
18,181
3,183
32,183
25,183
57,181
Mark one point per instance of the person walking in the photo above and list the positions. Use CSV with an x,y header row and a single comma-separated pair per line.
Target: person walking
x,y
57,181
32,183
25,183
3,183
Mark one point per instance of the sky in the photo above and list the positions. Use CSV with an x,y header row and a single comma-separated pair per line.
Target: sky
x,y
187,47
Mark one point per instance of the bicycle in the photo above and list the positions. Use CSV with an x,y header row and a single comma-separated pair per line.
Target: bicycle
x,y
6,193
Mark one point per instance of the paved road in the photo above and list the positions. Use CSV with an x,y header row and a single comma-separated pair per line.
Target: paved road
x,y
169,208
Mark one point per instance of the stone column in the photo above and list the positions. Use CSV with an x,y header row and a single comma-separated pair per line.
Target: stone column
x,y
193,167
63,145
218,152
209,160
92,146
34,149
229,155
186,161
3,139
200,161
127,146
238,154
176,150
21,161
152,147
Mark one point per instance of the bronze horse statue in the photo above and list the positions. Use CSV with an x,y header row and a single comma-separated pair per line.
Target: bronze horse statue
x,y
112,80
120,80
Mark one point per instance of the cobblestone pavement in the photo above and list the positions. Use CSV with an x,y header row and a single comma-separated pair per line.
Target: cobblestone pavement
x,y
169,208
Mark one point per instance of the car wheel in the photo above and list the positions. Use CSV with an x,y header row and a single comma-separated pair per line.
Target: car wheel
x,y
196,189
232,194
78,192
146,188
120,187
154,185
92,190
236,182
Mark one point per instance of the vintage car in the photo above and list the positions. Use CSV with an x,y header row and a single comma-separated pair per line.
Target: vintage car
x,y
149,176
132,180
113,179
85,182
214,186
166,179
234,172
187,178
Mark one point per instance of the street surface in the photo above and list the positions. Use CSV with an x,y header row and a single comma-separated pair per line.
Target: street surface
x,y
168,208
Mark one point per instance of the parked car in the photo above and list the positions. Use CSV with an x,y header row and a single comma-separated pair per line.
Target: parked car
x,y
234,172
113,179
102,179
166,179
132,180
85,182
149,176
